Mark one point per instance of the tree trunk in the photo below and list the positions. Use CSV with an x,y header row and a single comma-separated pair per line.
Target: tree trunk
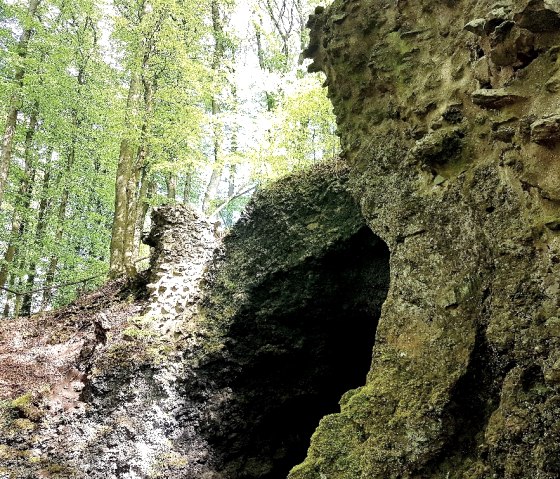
x,y
219,50
171,183
10,253
15,101
144,207
269,97
25,190
9,296
122,185
53,263
213,184
39,232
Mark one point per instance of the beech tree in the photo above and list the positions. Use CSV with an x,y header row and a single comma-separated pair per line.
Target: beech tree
x,y
56,147
28,21
111,107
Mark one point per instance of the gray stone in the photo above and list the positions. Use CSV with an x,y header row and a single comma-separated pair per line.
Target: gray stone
x,y
476,26
495,98
546,131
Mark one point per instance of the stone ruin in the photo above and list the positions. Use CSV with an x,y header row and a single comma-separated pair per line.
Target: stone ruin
x,y
182,243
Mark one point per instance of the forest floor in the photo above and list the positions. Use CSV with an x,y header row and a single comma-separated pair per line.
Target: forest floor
x,y
44,353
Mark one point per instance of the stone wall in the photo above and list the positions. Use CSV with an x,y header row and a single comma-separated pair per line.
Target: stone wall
x,y
183,243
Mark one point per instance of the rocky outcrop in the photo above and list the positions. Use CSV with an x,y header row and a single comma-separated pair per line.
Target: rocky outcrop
x,y
221,377
435,244
295,295
462,383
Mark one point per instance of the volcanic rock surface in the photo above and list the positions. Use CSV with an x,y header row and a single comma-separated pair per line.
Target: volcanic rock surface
x,y
464,381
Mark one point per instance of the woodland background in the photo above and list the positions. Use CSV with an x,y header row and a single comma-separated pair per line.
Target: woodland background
x,y
111,107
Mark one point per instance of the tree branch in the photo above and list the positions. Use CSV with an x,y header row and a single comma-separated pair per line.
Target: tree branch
x,y
242,191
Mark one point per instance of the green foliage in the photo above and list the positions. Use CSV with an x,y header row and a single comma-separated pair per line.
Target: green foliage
x,y
305,129
71,86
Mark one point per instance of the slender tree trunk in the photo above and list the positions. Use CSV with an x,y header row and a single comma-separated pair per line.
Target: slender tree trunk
x,y
15,102
143,212
53,262
131,185
9,296
39,232
171,183
282,16
219,51
187,187
214,183
138,185
269,97
133,201
302,30
18,300
10,253
25,192
122,184
232,175
132,160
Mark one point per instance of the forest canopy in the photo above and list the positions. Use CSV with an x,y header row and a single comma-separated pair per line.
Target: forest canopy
x,y
111,107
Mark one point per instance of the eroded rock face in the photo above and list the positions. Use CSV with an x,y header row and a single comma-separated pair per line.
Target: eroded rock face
x,y
464,376
298,315
221,378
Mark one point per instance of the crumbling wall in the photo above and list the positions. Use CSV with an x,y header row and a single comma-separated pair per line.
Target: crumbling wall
x,y
182,245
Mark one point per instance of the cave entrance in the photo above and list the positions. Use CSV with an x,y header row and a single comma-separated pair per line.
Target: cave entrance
x,y
291,365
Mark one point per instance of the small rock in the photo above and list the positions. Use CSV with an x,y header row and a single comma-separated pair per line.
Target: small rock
x,y
504,134
440,146
553,85
546,130
481,70
339,18
453,114
438,180
476,26
495,99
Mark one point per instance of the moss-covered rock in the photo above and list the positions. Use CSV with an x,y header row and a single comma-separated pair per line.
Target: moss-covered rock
x,y
463,376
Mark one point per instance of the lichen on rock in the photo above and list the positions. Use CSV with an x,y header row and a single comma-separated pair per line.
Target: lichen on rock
x,y
462,379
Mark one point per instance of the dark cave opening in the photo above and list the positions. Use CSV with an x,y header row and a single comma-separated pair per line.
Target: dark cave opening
x,y
305,341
